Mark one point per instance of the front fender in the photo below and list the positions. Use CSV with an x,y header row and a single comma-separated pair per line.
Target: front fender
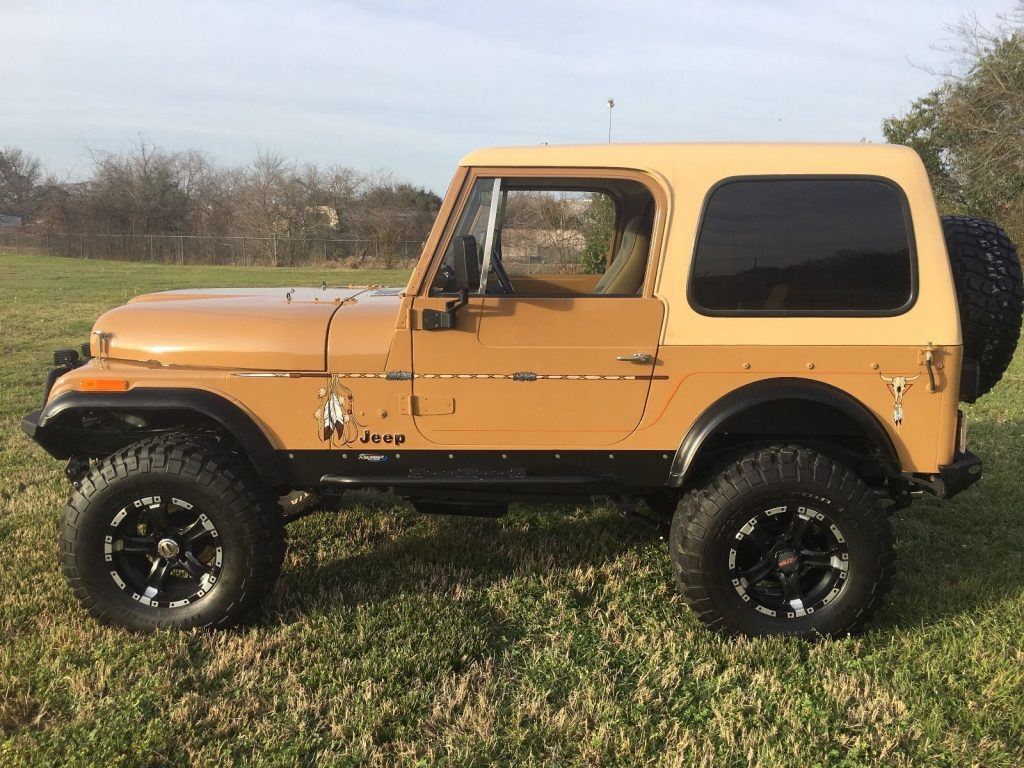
x,y
63,437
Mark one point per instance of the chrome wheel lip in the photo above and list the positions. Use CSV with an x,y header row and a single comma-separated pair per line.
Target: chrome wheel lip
x,y
163,552
815,580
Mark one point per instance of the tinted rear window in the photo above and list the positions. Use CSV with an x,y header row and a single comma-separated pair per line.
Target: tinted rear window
x,y
803,246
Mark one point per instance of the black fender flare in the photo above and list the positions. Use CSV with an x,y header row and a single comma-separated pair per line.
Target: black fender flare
x,y
769,390
236,422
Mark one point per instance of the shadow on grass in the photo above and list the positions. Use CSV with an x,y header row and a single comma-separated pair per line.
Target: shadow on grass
x,y
956,557
438,556
959,557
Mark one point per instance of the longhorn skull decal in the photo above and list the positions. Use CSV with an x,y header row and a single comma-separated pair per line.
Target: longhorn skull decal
x,y
898,386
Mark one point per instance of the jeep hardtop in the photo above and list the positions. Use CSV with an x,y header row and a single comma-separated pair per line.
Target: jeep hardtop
x,y
764,344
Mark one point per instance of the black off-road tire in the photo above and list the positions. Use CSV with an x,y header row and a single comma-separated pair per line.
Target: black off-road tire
x,y
987,273
226,496
706,532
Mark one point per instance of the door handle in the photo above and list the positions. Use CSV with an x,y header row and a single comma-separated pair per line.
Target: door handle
x,y
636,357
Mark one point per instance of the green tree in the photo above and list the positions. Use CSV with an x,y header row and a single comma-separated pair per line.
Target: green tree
x,y
970,129
598,228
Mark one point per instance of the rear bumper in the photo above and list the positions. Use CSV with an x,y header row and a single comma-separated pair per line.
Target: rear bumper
x,y
964,472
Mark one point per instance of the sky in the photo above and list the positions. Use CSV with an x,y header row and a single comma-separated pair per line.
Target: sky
x,y
413,86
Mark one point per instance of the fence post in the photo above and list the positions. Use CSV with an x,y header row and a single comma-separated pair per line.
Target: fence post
x,y
181,249
275,250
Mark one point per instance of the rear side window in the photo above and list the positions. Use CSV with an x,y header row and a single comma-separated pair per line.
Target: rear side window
x,y
804,246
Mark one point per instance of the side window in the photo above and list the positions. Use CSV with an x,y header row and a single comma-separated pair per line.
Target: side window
x,y
804,246
555,237
548,231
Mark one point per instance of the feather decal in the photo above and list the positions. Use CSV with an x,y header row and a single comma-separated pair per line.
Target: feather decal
x,y
335,421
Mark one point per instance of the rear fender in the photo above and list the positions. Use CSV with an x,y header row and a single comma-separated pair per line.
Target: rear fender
x,y
715,417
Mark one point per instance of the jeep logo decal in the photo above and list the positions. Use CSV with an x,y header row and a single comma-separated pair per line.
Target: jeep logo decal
x,y
396,438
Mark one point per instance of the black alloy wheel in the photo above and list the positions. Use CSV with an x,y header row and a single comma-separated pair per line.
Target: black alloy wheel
x,y
789,560
165,552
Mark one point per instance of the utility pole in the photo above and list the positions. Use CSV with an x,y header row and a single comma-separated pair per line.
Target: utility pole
x,y
611,105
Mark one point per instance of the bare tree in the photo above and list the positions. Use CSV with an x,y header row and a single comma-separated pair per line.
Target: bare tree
x,y
270,211
20,177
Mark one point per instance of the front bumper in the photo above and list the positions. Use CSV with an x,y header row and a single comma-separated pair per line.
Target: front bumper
x,y
30,424
45,438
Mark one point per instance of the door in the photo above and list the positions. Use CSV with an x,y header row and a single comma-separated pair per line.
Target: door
x,y
558,344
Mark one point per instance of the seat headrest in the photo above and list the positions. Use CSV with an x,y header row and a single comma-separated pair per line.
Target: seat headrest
x,y
625,275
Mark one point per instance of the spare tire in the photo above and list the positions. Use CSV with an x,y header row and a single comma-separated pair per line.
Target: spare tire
x,y
987,274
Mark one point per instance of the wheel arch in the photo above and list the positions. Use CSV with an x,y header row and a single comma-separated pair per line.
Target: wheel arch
x,y
55,429
814,411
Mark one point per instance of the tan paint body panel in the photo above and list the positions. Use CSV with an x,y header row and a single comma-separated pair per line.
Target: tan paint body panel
x,y
226,328
689,171
699,359
574,339
362,331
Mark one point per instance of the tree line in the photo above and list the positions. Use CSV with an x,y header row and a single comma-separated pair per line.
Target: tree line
x,y
152,191
970,129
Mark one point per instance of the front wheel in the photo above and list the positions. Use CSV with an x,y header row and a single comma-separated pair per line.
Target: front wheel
x,y
171,532
784,541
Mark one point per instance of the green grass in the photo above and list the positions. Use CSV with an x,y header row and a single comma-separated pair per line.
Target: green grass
x,y
549,637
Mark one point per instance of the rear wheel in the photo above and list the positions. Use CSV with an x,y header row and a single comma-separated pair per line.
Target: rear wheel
x,y
171,532
784,541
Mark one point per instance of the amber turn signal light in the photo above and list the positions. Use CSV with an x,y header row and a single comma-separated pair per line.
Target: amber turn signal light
x,y
103,385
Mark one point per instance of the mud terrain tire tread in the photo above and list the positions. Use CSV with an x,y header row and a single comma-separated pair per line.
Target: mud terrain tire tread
x,y
987,273
223,477
780,468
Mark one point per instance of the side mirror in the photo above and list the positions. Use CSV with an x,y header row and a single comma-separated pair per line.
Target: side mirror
x,y
467,277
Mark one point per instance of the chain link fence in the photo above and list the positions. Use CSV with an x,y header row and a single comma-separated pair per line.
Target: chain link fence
x,y
237,250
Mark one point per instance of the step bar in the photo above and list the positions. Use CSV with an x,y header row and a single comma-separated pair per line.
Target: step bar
x,y
467,481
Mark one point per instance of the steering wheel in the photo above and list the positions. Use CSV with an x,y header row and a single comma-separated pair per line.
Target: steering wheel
x,y
445,280
504,284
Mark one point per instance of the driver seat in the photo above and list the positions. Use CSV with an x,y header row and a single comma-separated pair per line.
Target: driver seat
x,y
625,275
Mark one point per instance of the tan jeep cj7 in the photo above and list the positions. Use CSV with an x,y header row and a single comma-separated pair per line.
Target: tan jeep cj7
x,y
765,344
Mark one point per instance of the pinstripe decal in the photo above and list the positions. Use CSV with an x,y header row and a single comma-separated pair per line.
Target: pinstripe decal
x,y
408,376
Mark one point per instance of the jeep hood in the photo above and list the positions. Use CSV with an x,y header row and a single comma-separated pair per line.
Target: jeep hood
x,y
243,328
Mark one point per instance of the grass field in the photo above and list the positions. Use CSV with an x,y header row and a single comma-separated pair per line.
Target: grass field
x,y
549,637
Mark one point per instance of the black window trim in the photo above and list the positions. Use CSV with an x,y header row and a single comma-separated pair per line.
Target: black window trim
x,y
908,222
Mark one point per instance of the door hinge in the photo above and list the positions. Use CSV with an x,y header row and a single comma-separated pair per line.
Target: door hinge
x,y
427,405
